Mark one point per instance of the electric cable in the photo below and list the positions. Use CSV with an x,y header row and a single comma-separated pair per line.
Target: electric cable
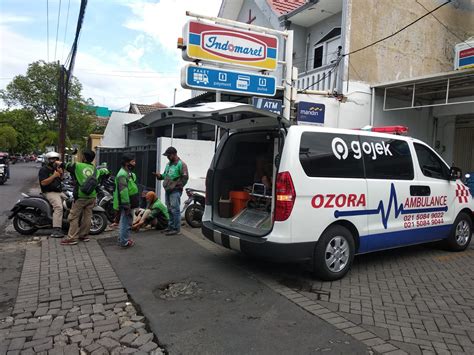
x,y
47,28
57,30
398,31
325,74
446,27
65,29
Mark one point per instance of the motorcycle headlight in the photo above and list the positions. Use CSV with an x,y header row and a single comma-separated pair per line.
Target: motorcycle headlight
x,y
2,170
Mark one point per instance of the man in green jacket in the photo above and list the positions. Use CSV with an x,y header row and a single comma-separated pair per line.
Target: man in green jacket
x,y
81,211
175,178
126,198
156,213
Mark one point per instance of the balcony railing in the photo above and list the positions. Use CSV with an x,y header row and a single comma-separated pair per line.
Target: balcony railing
x,y
324,78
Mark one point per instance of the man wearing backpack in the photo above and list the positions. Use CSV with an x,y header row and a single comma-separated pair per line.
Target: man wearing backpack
x,y
85,176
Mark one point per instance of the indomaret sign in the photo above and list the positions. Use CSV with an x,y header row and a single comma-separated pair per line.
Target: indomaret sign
x,y
222,44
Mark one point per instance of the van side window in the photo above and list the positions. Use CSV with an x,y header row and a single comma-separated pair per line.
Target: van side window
x,y
387,158
430,164
331,155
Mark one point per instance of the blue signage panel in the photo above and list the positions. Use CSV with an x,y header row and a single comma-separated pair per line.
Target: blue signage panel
x,y
216,79
310,112
271,105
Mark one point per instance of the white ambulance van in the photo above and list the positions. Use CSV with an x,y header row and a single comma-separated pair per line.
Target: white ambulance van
x,y
321,195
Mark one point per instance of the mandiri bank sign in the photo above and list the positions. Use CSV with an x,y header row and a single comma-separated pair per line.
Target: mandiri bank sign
x,y
222,44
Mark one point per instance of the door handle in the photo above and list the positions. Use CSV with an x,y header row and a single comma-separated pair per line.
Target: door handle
x,y
420,190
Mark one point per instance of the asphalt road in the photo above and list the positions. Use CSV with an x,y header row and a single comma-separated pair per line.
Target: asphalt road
x,y
22,177
201,303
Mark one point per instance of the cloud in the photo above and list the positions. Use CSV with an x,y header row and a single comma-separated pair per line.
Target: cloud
x,y
164,20
110,79
11,19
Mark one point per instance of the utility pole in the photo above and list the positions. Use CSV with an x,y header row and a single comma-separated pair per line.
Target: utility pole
x,y
62,110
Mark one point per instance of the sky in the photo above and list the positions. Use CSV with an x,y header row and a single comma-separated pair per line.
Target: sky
x,y
127,49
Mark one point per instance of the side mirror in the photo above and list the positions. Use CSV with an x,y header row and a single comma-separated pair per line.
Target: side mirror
x,y
455,173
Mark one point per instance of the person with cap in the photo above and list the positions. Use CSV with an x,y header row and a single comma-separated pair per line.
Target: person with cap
x,y
174,179
85,177
155,215
126,198
50,179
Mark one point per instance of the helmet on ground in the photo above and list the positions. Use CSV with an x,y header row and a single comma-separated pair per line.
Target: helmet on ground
x,y
53,155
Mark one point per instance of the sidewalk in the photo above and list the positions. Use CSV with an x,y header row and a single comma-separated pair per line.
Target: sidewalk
x,y
70,301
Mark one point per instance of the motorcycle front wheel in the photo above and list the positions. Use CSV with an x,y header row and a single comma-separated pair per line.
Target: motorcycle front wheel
x,y
193,215
98,223
23,227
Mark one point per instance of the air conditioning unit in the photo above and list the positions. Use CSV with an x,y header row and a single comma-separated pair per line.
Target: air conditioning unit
x,y
464,54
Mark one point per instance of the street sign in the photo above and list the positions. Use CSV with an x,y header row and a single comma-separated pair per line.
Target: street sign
x,y
216,79
223,44
311,113
271,105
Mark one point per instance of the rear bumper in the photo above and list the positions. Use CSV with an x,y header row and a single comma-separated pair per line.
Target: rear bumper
x,y
259,247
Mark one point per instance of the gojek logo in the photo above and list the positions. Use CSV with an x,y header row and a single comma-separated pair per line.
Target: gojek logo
x,y
233,45
373,149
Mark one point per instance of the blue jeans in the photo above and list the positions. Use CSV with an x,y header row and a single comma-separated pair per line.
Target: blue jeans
x,y
173,203
125,225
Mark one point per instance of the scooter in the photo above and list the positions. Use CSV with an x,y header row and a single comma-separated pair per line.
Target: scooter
x,y
34,212
3,174
194,207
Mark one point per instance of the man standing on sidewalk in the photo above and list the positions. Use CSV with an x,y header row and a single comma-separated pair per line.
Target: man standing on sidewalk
x,y
50,181
175,178
85,176
126,198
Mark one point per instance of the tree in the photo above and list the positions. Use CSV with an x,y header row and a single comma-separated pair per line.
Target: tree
x,y
29,129
8,136
37,91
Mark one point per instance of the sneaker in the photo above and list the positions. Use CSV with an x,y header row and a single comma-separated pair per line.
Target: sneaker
x,y
172,232
57,233
130,243
84,239
166,230
68,242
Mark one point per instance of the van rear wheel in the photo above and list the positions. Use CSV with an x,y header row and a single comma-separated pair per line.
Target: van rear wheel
x,y
461,233
334,253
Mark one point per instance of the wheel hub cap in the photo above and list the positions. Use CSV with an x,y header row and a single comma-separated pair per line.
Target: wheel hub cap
x,y
463,232
337,254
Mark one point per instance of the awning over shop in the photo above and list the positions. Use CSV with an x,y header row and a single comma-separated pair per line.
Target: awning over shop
x,y
452,88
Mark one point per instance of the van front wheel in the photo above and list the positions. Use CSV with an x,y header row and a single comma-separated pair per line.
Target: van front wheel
x,y
334,253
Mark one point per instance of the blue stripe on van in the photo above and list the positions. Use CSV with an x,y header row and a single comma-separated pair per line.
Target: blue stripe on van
x,y
388,240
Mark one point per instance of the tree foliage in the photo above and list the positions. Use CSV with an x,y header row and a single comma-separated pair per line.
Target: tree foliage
x,y
29,129
37,93
8,137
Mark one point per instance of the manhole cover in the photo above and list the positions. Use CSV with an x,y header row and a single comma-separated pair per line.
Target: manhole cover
x,y
178,290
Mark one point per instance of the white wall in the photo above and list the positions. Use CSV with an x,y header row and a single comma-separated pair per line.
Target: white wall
x,y
196,154
114,134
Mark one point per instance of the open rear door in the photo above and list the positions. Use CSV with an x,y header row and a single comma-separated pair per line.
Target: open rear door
x,y
228,115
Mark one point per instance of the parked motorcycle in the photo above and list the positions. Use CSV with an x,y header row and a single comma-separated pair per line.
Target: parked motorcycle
x,y
194,207
3,174
34,212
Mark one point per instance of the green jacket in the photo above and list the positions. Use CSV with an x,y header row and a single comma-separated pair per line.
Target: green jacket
x,y
157,208
175,176
126,190
80,172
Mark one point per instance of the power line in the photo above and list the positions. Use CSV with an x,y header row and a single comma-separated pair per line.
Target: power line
x,y
325,74
398,31
65,28
57,30
47,28
446,27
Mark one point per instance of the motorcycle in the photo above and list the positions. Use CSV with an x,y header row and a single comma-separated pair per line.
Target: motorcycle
x,y
105,196
3,174
34,212
194,207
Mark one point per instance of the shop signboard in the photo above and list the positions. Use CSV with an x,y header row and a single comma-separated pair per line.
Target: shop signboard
x,y
223,44
216,79
311,113
272,105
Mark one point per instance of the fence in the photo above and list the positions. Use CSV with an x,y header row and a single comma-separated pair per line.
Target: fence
x,y
145,157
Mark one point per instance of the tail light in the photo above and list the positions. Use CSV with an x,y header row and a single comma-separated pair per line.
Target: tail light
x,y
285,196
208,187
